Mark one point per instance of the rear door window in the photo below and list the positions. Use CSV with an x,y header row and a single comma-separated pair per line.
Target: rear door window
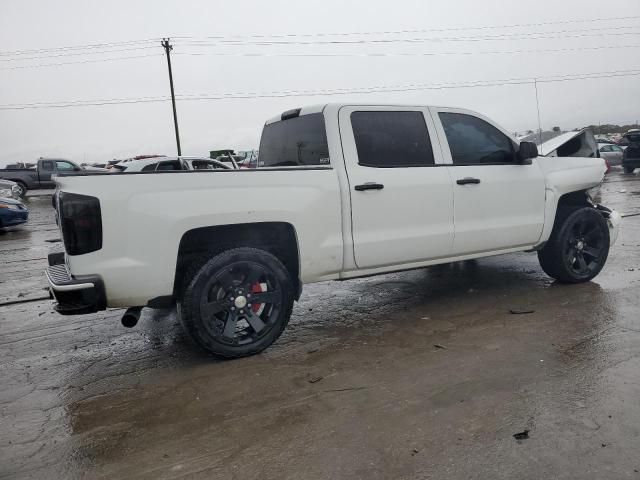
x,y
472,141
295,142
170,165
392,139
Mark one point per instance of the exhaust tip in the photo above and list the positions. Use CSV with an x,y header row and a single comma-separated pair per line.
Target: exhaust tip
x,y
131,317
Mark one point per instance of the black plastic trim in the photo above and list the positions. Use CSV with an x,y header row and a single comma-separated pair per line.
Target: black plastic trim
x,y
294,113
166,301
55,258
80,302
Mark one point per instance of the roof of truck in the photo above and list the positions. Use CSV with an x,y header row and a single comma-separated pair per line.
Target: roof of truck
x,y
319,107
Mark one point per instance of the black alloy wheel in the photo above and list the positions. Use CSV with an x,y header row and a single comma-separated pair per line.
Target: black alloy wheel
x,y
237,303
578,246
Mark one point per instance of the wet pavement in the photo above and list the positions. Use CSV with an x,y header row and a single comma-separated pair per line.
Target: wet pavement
x,y
421,374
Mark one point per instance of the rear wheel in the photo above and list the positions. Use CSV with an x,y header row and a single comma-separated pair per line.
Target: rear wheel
x,y
237,303
578,247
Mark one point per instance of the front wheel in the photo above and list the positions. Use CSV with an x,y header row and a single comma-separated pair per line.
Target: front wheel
x,y
578,247
20,189
237,303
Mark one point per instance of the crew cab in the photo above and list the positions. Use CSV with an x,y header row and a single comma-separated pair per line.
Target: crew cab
x,y
342,191
40,176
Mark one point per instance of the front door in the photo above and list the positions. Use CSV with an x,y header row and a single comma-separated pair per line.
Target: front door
x,y
401,194
499,202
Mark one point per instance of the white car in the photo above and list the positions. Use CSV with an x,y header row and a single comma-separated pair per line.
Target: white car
x,y
160,164
9,189
344,191
611,153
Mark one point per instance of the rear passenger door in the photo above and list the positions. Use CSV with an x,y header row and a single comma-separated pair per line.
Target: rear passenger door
x,y
401,193
499,202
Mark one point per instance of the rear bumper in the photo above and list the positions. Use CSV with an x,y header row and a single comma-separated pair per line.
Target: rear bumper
x,y
74,295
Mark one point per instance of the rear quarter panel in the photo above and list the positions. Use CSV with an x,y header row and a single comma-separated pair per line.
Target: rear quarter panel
x,y
144,216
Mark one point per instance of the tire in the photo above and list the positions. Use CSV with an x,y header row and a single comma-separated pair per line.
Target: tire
x,y
578,246
22,188
628,169
243,326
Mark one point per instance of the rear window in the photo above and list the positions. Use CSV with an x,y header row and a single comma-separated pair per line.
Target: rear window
x,y
295,142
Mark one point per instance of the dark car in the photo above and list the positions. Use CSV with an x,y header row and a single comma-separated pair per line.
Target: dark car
x,y
631,155
40,175
12,212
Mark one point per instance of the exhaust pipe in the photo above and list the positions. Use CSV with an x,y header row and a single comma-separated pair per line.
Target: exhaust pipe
x,y
131,317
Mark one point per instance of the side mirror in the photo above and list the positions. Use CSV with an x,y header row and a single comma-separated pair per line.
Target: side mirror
x,y
527,151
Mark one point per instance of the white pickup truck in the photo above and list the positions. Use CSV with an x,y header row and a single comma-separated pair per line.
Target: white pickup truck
x,y
341,191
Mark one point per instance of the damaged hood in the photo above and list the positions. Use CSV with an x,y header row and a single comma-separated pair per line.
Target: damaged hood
x,y
571,162
579,143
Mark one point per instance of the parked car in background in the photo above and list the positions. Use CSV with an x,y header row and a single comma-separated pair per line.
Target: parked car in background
x,y
631,155
9,189
40,175
12,212
611,152
163,164
343,191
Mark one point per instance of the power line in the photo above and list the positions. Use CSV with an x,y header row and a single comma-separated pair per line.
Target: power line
x,y
509,37
318,34
78,47
96,60
426,30
405,54
325,92
329,55
70,54
94,46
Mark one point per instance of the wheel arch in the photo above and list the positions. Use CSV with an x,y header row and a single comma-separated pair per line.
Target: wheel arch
x,y
556,206
278,238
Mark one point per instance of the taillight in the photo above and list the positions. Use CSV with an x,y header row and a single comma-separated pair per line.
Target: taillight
x,y
81,223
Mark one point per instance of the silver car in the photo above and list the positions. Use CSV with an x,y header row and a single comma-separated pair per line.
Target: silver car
x,y
9,189
611,153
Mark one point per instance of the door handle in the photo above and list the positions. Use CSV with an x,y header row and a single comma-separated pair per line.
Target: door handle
x,y
468,180
369,186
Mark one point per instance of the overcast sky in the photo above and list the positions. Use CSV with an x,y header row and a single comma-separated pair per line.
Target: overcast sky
x,y
213,66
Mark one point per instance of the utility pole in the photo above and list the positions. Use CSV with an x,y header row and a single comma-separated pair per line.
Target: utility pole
x,y
167,49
